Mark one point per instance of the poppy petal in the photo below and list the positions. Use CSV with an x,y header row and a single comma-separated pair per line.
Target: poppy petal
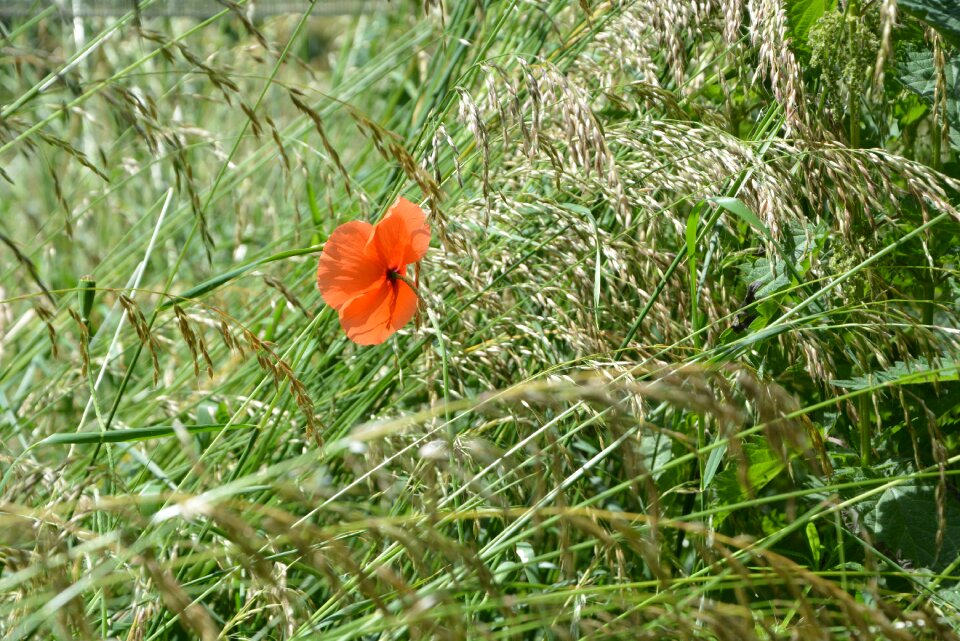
x,y
366,317
345,269
402,237
405,306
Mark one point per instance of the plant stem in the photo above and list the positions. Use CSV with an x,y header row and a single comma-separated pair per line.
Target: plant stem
x,y
406,279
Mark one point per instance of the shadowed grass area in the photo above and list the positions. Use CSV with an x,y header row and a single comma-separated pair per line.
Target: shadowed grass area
x,y
686,364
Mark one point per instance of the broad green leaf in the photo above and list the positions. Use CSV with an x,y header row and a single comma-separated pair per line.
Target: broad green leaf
x,y
912,373
917,73
942,15
713,464
905,521
951,595
656,451
763,465
787,263
775,277
802,15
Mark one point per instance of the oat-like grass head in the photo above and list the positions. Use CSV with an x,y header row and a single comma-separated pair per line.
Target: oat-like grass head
x,y
363,272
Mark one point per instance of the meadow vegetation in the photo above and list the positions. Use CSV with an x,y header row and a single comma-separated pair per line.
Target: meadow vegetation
x,y
686,365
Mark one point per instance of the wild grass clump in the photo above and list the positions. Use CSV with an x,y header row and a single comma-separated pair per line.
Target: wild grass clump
x,y
685,365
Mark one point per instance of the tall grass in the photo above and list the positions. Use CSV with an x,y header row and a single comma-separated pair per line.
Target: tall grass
x,y
686,366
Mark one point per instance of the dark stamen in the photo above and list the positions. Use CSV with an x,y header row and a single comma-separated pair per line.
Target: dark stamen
x,y
393,275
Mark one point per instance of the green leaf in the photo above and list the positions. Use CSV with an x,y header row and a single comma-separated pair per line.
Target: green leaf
x,y
942,15
211,284
813,540
693,222
905,521
763,465
802,15
713,464
917,73
656,451
315,214
134,434
735,206
901,373
803,241
950,596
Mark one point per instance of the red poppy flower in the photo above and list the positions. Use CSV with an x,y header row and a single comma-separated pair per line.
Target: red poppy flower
x,y
363,272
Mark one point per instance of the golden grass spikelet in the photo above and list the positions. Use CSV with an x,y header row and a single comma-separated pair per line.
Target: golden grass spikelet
x,y
469,115
228,337
280,370
768,32
193,615
888,19
286,293
46,316
296,97
84,342
194,342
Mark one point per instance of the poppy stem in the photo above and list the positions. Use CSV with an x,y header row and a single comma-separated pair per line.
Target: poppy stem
x,y
409,283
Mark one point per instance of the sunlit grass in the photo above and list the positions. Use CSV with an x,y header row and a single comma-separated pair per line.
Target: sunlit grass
x,y
593,431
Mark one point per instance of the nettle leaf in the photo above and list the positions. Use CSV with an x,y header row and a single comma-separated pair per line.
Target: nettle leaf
x,y
912,373
763,466
950,595
656,451
767,280
801,241
917,73
942,15
905,522
801,16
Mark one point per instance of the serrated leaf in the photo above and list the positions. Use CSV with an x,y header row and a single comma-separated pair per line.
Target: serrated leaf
x,y
917,73
775,277
912,373
942,15
763,466
905,521
802,238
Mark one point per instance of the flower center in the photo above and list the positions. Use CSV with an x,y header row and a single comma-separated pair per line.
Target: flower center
x,y
393,276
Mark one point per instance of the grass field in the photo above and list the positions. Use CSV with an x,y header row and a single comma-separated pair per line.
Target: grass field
x,y
685,366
